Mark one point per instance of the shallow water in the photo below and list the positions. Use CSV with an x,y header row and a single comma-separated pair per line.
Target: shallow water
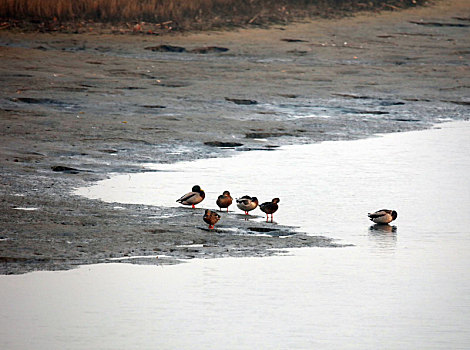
x,y
326,188
402,287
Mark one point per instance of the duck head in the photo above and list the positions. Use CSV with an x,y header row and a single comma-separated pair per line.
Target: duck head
x,y
196,188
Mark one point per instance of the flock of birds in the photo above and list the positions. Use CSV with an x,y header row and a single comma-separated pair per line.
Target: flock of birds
x,y
247,204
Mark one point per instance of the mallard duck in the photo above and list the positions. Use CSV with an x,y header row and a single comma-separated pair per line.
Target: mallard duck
x,y
247,203
270,208
224,200
383,216
191,198
211,217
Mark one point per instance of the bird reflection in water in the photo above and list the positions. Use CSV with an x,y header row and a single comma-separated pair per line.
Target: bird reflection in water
x,y
382,228
384,235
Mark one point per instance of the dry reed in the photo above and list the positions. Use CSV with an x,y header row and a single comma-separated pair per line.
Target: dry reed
x,y
183,12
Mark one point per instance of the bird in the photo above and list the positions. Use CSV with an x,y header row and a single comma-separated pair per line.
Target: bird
x,y
383,216
211,217
270,208
194,197
247,203
224,200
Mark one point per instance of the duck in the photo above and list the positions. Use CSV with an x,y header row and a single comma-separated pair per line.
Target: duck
x,y
383,216
247,203
211,217
270,208
224,200
194,197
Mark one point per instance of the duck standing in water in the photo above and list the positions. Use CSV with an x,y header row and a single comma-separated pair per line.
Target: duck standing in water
x,y
247,203
194,197
224,200
270,208
383,216
211,217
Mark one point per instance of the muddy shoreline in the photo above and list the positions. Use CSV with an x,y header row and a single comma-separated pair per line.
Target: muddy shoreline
x,y
75,108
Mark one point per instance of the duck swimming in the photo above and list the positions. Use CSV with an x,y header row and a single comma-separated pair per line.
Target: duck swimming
x,y
224,200
211,217
194,197
270,208
247,203
383,216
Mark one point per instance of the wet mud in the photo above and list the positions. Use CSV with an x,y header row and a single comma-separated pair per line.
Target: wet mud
x,y
76,108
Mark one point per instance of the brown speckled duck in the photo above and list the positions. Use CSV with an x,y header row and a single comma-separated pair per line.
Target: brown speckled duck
x,y
270,208
383,216
224,200
194,197
247,203
211,217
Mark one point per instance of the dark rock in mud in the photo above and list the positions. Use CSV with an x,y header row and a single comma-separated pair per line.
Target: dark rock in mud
x,y
371,112
239,101
36,100
462,103
166,48
172,84
294,40
289,95
223,144
154,106
391,103
262,229
247,149
131,88
65,169
406,120
265,135
298,52
441,24
209,49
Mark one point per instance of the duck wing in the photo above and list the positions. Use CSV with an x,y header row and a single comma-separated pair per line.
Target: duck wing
x,y
268,207
379,213
187,196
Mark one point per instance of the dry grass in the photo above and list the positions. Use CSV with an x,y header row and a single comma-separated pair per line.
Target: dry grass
x,y
185,14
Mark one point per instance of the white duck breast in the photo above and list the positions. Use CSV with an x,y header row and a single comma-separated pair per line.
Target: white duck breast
x,y
247,203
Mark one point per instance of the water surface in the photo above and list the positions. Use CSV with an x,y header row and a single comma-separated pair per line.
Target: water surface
x,y
401,287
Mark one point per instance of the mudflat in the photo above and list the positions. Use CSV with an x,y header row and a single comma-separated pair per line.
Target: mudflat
x,y
76,107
